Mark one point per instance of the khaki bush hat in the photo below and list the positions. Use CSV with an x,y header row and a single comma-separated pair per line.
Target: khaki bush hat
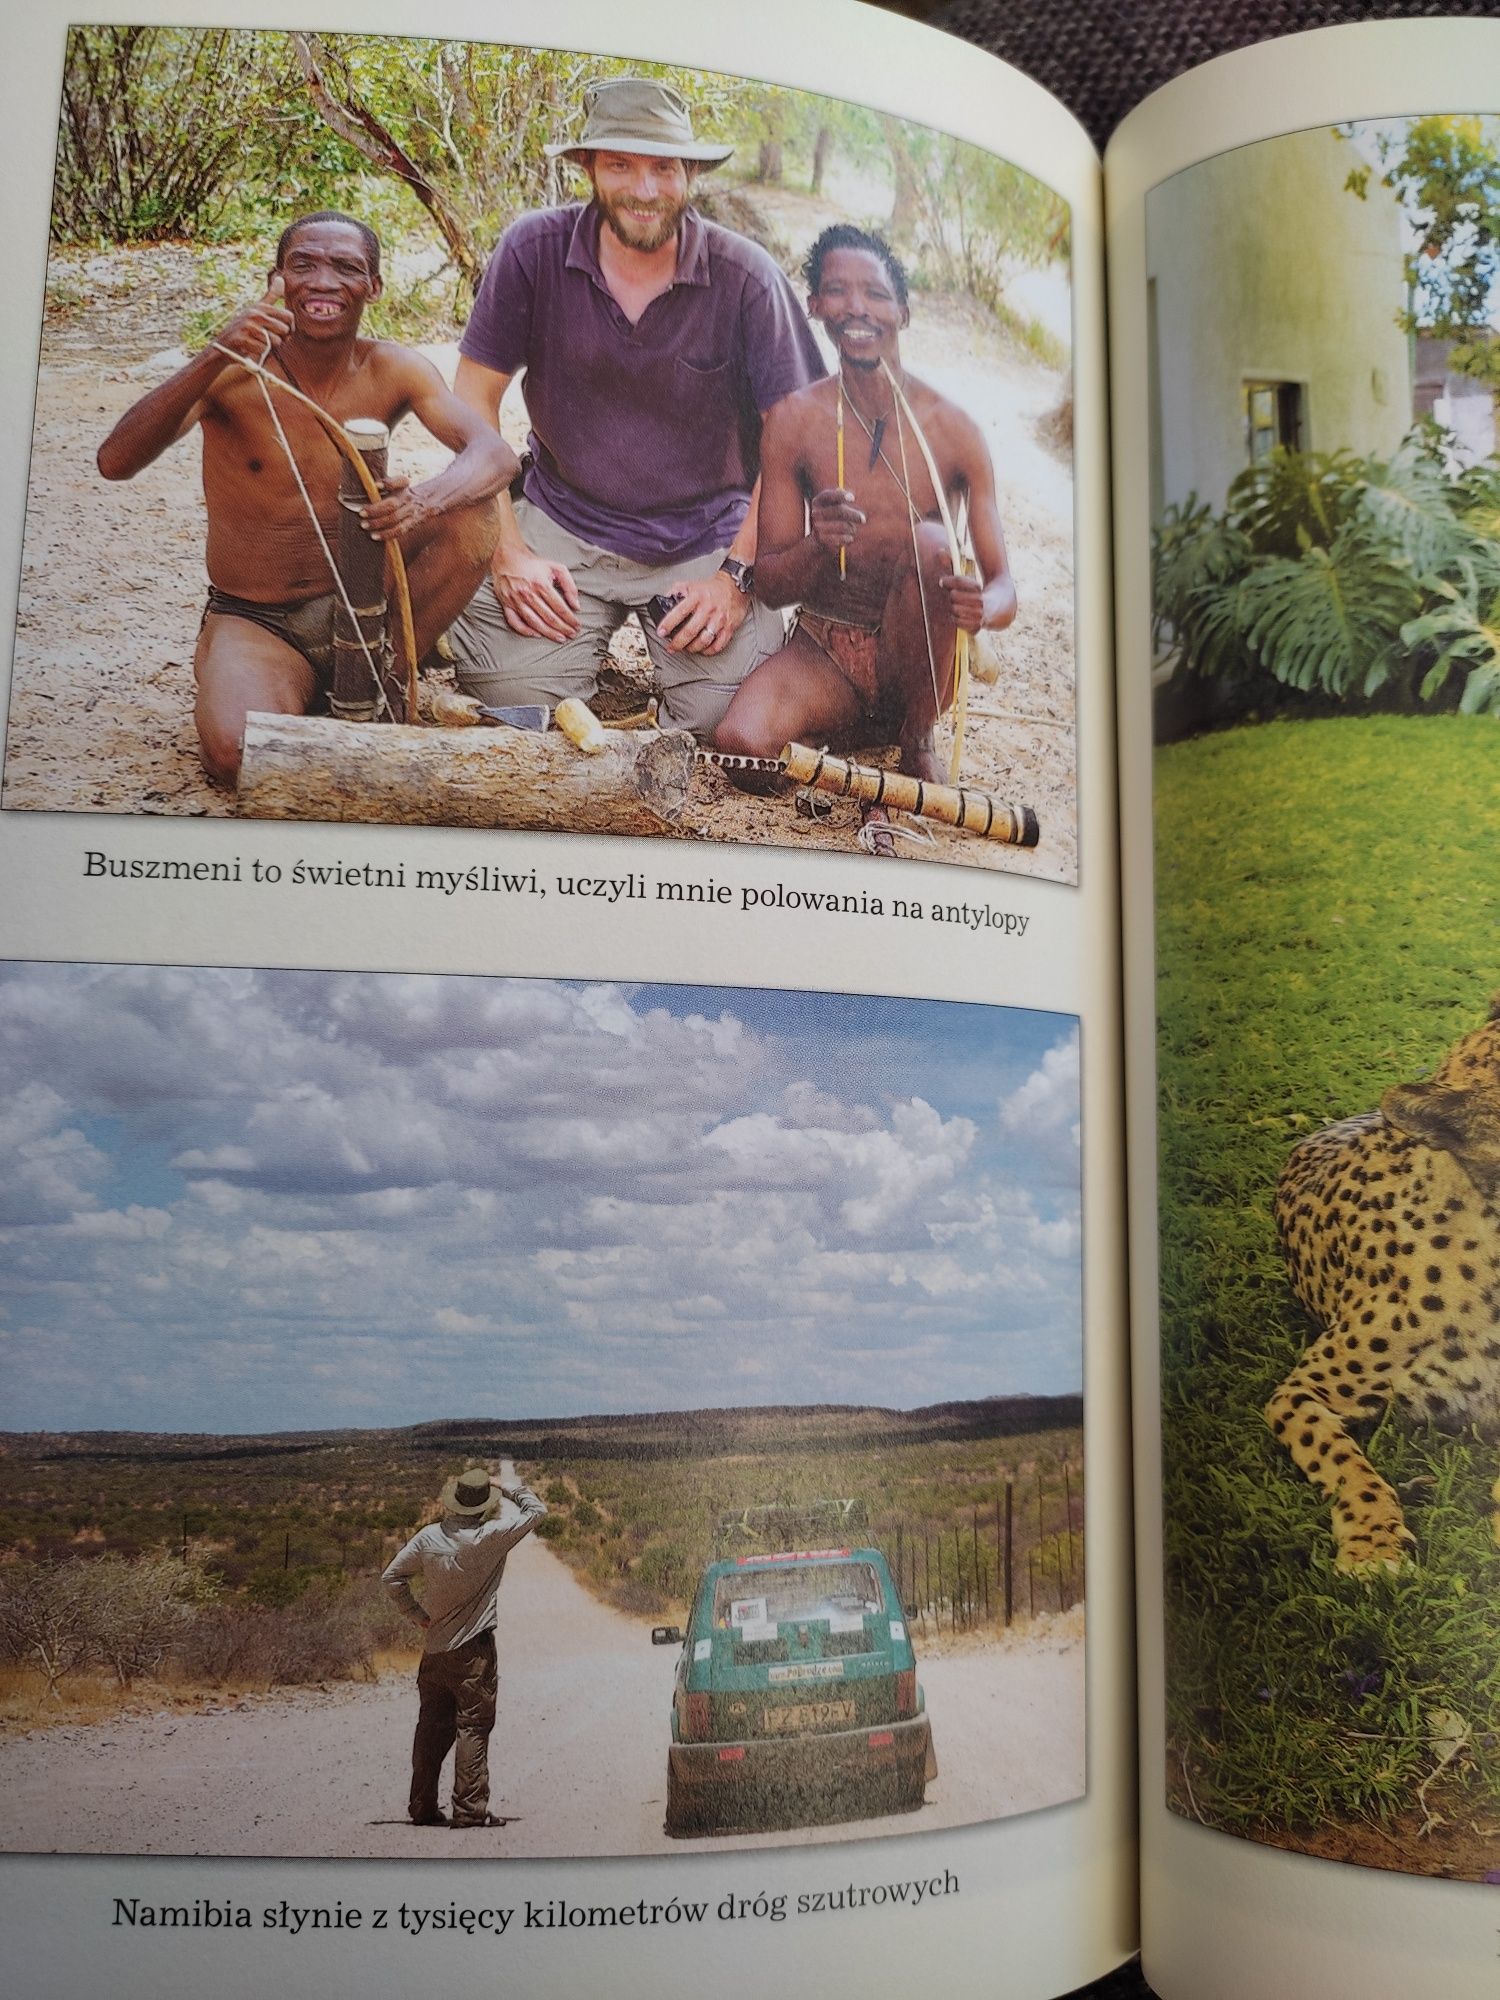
x,y
634,114
469,1492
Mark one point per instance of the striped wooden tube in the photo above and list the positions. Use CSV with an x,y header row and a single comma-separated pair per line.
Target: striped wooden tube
x,y
958,806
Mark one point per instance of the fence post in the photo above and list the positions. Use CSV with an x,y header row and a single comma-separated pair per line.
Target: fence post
x,y
1068,1490
1031,1574
1010,1499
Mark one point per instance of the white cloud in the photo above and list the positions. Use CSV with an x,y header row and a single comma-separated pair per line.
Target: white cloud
x,y
270,1197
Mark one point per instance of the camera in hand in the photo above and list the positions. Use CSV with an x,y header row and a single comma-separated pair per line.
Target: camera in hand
x,y
657,607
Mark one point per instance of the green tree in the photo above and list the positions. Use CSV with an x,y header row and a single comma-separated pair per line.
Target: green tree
x,y
1446,173
158,126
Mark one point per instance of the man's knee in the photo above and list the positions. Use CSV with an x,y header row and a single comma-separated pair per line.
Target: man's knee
x,y
699,707
744,730
471,533
932,549
220,749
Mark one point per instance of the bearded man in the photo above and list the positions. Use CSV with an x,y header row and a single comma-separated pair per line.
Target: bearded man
x,y
653,344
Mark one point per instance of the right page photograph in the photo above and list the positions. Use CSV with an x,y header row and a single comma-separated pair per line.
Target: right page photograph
x,y
1325,695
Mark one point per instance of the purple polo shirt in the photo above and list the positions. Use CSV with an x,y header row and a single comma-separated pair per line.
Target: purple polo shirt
x,y
645,439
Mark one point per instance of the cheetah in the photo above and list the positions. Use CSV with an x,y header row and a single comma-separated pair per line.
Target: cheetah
x,y
1390,1225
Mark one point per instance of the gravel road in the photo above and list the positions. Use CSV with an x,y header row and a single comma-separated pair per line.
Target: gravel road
x,y
578,1758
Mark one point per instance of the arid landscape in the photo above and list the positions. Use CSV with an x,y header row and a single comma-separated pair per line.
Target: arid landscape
x,y
112,585
205,1749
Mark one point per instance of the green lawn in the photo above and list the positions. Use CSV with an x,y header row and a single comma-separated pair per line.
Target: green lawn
x,y
1328,909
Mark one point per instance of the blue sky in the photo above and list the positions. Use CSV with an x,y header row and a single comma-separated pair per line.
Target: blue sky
x,y
247,1200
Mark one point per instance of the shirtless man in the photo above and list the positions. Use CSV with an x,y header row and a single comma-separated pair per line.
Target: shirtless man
x,y
266,641
871,655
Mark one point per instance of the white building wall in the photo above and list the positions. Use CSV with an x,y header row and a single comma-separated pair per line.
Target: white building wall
x,y
1264,267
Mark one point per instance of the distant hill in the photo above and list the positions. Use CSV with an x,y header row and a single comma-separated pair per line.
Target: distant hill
x,y
647,1435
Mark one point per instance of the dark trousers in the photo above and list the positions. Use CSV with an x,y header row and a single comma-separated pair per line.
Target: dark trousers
x,y
456,1692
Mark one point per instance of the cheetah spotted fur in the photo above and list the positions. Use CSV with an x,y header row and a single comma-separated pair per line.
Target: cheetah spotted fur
x,y
1390,1224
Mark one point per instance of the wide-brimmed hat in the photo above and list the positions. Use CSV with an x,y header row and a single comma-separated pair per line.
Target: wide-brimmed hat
x,y
635,114
469,1492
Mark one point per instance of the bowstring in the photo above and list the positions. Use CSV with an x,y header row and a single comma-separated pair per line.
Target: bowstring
x,y
262,376
937,699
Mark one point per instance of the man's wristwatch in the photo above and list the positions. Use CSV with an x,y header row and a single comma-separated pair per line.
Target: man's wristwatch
x,y
740,574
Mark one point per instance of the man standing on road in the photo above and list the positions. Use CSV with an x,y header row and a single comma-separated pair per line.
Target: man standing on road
x,y
460,1561
654,342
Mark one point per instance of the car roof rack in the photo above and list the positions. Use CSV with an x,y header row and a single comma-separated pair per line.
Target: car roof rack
x,y
782,1525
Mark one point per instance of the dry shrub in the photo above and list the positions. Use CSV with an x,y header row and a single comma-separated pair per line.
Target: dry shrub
x,y
331,1632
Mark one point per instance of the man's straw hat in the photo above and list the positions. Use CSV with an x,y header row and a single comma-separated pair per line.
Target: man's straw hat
x,y
469,1493
634,114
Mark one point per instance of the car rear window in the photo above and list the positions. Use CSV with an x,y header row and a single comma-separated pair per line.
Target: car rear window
x,y
757,1601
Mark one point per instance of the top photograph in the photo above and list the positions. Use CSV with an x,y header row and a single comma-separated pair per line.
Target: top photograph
x,y
442,433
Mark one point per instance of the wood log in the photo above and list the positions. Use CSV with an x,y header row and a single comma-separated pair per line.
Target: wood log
x,y
389,774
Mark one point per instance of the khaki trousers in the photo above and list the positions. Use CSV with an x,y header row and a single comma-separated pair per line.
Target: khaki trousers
x,y
456,1695
502,667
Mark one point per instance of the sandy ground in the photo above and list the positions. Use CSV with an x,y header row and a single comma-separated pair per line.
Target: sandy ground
x,y
578,1759
112,582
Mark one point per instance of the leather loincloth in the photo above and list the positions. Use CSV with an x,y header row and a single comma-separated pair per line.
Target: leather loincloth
x,y
306,627
853,649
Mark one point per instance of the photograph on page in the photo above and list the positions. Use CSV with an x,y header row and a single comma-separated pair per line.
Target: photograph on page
x,y
667,1400
443,432
1324,329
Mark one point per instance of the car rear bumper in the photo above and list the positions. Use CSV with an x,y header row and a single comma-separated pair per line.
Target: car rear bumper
x,y
801,1763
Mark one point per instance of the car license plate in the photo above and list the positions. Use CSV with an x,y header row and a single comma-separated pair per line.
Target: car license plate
x,y
797,1716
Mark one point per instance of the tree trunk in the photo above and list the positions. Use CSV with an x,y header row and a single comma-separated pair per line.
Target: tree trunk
x,y
822,147
357,124
768,165
311,768
906,207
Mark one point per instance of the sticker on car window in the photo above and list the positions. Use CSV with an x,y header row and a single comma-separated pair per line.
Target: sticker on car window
x,y
703,1649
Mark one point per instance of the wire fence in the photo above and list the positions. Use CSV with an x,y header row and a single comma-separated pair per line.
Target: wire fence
x,y
1015,1560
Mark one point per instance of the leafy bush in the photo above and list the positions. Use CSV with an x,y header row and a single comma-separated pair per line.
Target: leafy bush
x,y
330,1632
122,1613
1348,581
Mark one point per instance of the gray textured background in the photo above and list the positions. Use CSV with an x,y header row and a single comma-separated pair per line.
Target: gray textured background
x,y
1101,57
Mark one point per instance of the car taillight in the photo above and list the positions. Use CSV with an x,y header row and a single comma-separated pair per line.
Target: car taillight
x,y
906,1692
695,1722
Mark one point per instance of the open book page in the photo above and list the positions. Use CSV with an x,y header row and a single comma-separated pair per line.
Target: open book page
x,y
633,1214
1304,336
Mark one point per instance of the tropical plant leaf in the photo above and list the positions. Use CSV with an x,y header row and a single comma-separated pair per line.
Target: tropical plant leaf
x,y
1291,501
1410,501
1460,638
1194,554
1331,620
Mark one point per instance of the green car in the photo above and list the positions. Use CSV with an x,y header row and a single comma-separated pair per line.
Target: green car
x,y
797,1684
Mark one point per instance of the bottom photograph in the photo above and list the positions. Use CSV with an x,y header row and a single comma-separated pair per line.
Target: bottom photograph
x,y
477,1416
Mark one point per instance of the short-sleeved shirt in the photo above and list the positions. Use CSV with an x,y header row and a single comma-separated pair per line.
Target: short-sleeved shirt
x,y
645,439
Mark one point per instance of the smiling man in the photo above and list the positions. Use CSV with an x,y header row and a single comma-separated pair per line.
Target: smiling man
x,y
653,343
851,531
266,640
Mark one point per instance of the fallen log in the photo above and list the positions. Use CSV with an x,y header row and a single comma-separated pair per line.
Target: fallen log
x,y
389,774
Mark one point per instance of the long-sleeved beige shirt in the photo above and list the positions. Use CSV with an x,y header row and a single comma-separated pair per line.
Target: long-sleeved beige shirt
x,y
460,1564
